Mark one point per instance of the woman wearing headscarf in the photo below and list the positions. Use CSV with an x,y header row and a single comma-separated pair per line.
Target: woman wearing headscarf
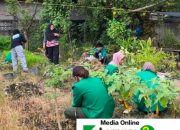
x,y
117,60
90,97
52,44
147,75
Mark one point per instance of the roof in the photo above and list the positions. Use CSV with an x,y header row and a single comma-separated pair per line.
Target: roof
x,y
167,16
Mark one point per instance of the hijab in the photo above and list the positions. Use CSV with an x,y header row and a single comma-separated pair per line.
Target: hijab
x,y
50,33
117,58
149,66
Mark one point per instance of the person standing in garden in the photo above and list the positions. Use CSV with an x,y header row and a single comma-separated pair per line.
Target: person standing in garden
x,y
117,60
90,97
147,76
99,52
52,43
17,51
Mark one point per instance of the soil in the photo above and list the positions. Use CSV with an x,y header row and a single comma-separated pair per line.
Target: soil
x,y
16,91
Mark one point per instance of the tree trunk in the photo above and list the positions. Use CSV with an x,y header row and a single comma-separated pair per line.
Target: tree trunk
x,y
27,40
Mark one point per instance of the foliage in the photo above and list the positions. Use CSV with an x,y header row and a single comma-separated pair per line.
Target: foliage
x,y
35,59
24,19
170,40
58,76
118,30
126,84
32,59
165,93
5,42
57,13
157,57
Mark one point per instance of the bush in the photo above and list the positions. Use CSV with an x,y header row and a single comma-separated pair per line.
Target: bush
x,y
161,60
5,42
170,40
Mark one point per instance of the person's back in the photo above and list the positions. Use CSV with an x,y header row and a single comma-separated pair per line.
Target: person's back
x,y
148,76
117,60
17,39
96,102
17,52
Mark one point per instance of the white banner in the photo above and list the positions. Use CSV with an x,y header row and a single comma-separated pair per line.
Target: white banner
x,y
128,124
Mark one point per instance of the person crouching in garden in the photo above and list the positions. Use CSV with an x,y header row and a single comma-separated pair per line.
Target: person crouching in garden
x,y
117,60
99,52
52,44
90,97
147,76
17,51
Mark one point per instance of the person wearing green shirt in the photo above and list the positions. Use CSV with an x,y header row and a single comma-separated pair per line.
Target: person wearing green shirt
x,y
99,52
90,97
117,60
147,75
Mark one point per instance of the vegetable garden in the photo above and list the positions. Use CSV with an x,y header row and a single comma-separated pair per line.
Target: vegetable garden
x,y
37,100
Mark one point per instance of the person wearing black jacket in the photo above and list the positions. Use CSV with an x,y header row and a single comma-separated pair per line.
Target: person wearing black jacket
x,y
17,51
52,44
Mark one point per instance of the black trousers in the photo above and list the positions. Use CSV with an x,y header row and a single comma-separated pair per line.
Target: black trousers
x,y
53,54
74,113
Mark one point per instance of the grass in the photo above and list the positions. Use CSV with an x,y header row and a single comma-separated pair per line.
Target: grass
x,y
40,112
31,58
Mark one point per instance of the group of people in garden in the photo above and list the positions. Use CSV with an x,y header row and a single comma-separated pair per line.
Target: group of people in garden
x,y
90,98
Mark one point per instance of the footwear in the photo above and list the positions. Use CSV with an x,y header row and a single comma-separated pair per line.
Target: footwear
x,y
25,70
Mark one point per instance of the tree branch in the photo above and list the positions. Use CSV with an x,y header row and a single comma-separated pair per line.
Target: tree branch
x,y
146,7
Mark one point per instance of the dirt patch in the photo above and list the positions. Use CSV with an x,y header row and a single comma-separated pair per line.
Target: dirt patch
x,y
16,91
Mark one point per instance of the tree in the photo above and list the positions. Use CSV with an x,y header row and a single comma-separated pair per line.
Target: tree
x,y
22,16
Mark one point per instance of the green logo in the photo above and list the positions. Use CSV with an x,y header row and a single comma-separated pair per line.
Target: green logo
x,y
88,127
147,127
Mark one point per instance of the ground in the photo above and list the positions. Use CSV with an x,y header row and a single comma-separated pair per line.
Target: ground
x,y
44,106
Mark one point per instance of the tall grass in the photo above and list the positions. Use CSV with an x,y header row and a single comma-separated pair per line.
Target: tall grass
x,y
32,59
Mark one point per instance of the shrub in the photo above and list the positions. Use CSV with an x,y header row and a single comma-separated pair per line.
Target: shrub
x,y
5,42
157,57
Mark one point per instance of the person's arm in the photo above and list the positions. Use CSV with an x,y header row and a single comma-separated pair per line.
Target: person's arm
x,y
77,97
104,53
23,38
57,34
93,51
44,40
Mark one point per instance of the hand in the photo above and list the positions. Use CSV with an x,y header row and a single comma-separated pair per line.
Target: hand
x,y
85,54
44,46
56,34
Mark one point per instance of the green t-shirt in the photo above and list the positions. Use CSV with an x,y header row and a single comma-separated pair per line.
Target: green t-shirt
x,y
102,53
111,69
147,77
91,95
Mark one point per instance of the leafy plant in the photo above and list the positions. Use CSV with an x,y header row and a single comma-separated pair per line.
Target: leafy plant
x,y
157,57
58,76
118,30
171,40
164,94
5,42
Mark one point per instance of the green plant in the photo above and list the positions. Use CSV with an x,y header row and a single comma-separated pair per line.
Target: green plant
x,y
58,76
5,42
170,40
35,59
118,30
165,93
32,59
157,57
